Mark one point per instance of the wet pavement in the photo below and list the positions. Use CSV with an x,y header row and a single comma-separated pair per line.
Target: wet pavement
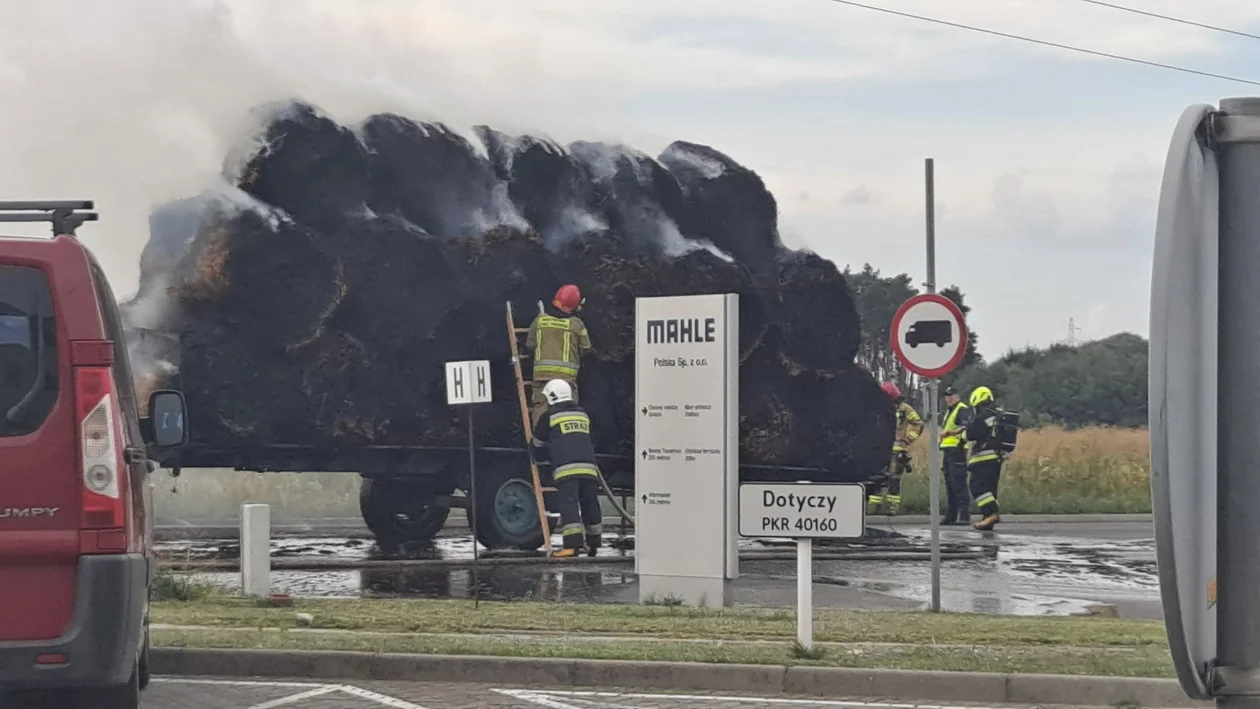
x,y
1040,569
227,693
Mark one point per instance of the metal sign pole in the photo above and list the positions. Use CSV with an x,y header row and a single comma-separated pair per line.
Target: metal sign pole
x,y
472,506
1238,486
805,592
933,442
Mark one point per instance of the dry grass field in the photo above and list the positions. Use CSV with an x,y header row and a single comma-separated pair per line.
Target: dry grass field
x,y
1092,470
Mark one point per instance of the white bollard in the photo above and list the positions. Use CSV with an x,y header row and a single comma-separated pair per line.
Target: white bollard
x,y
256,550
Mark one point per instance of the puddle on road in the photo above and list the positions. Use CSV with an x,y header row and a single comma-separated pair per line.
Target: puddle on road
x,y
1031,575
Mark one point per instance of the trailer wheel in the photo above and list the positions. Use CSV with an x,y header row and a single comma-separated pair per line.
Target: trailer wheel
x,y
401,512
507,514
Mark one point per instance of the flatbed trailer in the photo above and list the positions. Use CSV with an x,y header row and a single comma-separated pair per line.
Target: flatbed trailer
x,y
409,491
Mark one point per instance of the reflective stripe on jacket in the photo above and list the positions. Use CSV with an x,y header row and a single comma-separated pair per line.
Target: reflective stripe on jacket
x,y
558,344
567,435
982,435
909,426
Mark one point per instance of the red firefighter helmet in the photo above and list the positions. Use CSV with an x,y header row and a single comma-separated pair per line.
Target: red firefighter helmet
x,y
891,390
568,298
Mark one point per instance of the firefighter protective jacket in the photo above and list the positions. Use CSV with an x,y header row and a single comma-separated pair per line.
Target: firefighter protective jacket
x,y
909,426
565,435
982,434
558,341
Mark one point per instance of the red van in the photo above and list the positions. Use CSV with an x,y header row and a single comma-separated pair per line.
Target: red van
x,y
76,519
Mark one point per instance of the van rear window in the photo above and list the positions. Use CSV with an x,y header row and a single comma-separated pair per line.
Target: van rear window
x,y
28,350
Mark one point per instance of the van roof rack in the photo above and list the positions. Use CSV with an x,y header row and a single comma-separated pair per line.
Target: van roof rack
x,y
66,215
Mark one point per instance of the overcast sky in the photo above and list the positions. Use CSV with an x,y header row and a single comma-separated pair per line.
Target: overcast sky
x,y
1047,161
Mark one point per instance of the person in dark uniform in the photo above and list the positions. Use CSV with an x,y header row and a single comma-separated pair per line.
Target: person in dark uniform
x,y
564,437
954,458
984,463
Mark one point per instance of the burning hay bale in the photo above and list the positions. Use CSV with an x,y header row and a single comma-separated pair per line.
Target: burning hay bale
x,y
318,304
727,204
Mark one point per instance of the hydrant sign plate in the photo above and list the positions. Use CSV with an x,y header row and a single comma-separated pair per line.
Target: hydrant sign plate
x,y
929,335
802,510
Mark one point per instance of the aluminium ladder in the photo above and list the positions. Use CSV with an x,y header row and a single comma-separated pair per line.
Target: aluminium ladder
x,y
515,332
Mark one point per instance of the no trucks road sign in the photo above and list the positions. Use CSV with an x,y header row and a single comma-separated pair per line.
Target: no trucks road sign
x,y
929,335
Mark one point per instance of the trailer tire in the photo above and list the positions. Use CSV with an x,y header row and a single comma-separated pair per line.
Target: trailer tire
x,y
401,512
507,513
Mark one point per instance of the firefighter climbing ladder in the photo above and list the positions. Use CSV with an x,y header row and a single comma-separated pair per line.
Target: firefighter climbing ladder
x,y
515,332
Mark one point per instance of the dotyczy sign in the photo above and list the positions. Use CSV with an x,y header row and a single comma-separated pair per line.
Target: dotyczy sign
x,y
799,510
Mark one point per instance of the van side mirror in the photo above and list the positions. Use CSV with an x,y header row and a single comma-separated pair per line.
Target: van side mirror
x,y
167,423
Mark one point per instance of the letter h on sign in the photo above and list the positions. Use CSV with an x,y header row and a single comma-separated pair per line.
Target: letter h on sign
x,y
468,382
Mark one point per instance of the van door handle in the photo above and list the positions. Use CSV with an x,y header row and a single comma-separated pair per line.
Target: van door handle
x,y
133,455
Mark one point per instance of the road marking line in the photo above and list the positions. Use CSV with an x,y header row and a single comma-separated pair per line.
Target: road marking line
x,y
382,699
318,691
314,690
535,698
548,698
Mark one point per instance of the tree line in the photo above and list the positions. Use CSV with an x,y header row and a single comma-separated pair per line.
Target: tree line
x,y
1102,382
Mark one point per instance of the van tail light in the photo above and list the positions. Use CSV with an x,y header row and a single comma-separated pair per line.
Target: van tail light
x,y
99,446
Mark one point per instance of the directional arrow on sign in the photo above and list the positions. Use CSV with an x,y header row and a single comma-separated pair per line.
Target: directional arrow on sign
x,y
645,455
645,411
645,499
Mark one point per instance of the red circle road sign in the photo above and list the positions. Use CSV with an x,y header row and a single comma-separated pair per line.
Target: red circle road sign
x,y
929,335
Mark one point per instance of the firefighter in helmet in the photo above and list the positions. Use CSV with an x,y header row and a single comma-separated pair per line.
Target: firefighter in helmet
x,y
563,440
557,340
886,491
984,460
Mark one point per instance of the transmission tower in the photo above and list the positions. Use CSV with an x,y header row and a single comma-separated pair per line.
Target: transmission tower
x,y
1072,330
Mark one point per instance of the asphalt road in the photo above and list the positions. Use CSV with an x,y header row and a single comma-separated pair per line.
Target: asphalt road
x,y
1042,568
182,693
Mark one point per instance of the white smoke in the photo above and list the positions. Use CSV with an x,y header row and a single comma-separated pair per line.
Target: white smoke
x,y
676,245
501,211
603,160
708,167
572,223
134,103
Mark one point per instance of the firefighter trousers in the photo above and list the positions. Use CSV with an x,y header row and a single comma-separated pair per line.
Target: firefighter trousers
x,y
538,402
886,491
581,519
954,467
984,485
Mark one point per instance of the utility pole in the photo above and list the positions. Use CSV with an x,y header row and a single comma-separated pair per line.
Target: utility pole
x,y
1072,330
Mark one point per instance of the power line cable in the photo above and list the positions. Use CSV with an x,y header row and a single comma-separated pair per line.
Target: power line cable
x,y
1178,20
1047,43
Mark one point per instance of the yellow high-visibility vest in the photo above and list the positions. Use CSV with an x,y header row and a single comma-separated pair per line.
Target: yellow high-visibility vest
x,y
951,421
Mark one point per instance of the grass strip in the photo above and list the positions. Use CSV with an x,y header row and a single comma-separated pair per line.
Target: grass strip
x,y
212,610
1133,661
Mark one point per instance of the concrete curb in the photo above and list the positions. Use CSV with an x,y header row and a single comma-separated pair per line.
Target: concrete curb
x,y
685,676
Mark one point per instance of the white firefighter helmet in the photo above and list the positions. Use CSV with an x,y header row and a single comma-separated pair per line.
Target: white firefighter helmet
x,y
558,390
